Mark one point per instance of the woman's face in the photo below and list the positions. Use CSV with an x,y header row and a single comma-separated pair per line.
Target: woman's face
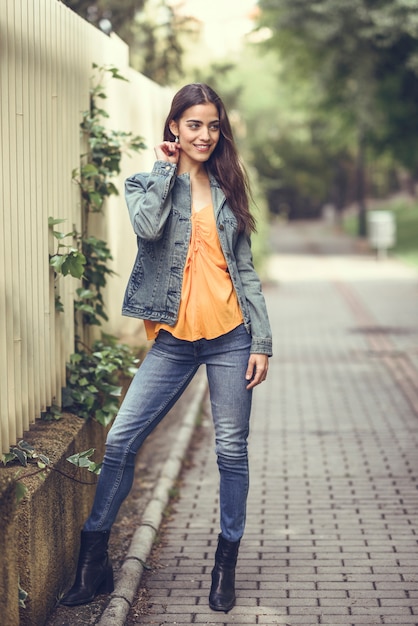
x,y
198,131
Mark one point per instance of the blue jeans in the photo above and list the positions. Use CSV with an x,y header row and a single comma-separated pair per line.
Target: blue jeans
x,y
163,376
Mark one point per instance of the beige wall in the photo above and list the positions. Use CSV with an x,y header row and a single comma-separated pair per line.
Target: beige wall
x,y
46,57
144,108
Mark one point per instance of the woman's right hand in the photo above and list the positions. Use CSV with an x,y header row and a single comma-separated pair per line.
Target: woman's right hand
x,y
168,151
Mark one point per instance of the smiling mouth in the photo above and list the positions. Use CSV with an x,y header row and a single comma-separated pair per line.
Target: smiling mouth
x,y
202,147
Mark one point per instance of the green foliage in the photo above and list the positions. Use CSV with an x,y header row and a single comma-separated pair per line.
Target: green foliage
x,y
21,491
358,64
23,595
68,259
155,42
53,413
99,165
82,459
121,12
92,374
151,28
406,216
90,297
91,266
106,147
24,453
93,388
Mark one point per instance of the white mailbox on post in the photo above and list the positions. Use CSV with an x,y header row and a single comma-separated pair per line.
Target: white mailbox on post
x,y
381,231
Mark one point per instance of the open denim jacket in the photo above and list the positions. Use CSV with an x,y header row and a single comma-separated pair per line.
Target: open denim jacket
x,y
159,205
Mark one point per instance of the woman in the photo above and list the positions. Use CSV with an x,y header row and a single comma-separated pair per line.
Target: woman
x,y
195,287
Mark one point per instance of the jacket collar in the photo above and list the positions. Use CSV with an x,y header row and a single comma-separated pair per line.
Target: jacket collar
x,y
218,196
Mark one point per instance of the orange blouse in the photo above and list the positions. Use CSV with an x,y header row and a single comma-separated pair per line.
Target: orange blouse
x,y
209,305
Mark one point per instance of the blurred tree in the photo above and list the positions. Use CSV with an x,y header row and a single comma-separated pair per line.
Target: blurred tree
x,y
362,59
155,42
283,138
395,35
320,41
151,28
119,12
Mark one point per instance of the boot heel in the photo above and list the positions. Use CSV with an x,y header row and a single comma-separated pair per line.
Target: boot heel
x,y
107,586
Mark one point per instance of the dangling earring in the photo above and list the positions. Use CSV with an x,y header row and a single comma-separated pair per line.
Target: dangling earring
x,y
176,139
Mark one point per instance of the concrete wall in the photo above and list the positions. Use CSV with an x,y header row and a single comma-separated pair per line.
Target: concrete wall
x,y
39,536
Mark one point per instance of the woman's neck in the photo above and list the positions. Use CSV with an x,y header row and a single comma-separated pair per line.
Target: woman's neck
x,y
196,170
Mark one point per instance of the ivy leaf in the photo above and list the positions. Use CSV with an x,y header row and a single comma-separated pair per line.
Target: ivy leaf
x,y
96,199
24,445
83,462
95,468
89,170
88,453
52,413
85,294
58,235
114,391
21,491
112,189
21,455
6,458
52,221
81,459
85,308
56,262
73,264
105,417
115,73
59,307
75,459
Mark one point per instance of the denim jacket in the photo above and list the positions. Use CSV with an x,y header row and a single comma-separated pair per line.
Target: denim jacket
x,y
159,206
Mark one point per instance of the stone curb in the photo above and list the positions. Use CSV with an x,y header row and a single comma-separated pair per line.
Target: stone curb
x,y
140,548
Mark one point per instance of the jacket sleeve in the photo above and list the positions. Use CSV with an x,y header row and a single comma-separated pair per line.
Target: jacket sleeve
x,y
260,326
149,200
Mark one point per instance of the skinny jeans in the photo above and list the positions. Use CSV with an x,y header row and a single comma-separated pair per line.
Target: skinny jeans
x,y
165,373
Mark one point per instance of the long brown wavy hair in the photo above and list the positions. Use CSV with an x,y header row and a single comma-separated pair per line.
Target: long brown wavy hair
x,y
224,163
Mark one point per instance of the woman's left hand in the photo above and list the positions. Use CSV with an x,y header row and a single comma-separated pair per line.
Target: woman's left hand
x,y
256,373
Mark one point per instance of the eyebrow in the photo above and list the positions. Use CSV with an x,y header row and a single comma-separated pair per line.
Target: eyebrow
x,y
200,121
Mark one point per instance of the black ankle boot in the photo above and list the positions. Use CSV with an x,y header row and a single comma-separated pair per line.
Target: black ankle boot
x,y
222,592
94,569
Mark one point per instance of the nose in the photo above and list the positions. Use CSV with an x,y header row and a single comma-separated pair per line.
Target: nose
x,y
205,135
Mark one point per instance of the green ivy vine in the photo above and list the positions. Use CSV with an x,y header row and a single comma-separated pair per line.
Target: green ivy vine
x,y
92,387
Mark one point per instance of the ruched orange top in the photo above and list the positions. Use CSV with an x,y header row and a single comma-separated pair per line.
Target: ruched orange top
x,y
209,305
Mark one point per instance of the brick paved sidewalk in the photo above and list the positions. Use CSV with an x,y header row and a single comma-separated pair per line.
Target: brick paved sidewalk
x,y
332,525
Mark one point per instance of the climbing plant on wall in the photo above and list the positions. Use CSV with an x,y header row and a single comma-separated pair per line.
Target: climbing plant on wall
x,y
93,372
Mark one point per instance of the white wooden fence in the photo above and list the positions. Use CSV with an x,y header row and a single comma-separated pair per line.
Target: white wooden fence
x,y
47,54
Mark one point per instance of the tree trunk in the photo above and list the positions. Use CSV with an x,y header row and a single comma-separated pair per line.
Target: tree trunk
x,y
360,185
